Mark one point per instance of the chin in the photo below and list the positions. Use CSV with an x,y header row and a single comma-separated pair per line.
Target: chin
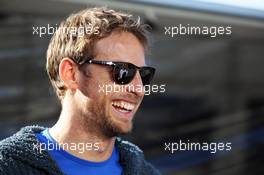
x,y
124,128
127,130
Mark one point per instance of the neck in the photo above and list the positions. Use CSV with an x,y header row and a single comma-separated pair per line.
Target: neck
x,y
70,130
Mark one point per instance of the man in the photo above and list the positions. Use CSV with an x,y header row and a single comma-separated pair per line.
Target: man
x,y
91,51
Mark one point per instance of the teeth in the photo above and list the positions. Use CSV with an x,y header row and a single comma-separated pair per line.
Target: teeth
x,y
125,105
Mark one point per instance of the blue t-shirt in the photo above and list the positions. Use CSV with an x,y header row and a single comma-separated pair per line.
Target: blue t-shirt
x,y
72,165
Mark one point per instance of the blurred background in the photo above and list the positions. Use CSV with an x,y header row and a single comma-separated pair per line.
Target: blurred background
x,y
214,86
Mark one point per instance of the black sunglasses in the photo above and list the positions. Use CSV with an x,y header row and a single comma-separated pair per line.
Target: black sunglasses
x,y
124,72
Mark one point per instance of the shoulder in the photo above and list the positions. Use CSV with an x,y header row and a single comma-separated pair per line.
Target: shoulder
x,y
22,140
132,159
16,150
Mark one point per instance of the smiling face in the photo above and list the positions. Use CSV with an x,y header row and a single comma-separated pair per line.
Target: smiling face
x,y
110,113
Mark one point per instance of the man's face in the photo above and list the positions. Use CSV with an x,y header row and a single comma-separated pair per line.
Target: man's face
x,y
107,113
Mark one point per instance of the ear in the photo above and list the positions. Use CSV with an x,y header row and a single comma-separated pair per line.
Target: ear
x,y
68,73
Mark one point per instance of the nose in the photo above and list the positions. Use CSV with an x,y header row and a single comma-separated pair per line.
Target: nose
x,y
138,88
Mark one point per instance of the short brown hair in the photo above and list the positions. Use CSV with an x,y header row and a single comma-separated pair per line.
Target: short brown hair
x,y
101,23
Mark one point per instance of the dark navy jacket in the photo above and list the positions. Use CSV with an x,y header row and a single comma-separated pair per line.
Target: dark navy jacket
x,y
19,156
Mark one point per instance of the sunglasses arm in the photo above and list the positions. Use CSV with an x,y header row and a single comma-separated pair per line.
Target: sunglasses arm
x,y
109,63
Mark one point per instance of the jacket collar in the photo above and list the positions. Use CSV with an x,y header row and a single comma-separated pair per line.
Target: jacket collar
x,y
131,157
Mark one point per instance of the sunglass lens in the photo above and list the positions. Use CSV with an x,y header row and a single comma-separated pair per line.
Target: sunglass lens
x,y
147,74
124,73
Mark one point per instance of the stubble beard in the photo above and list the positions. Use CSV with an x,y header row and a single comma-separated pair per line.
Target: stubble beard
x,y
100,125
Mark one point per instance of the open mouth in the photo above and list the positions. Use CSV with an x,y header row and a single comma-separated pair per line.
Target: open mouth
x,y
123,106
